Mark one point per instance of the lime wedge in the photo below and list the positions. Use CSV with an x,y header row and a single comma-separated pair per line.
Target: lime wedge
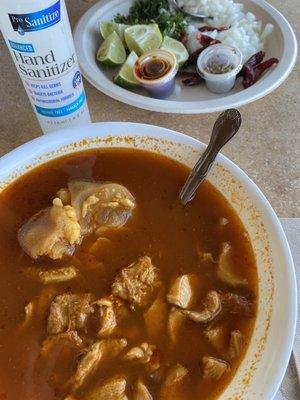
x,y
108,27
142,38
120,29
112,52
125,77
177,48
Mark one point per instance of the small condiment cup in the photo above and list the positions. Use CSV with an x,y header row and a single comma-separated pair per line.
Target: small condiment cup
x,y
221,54
164,85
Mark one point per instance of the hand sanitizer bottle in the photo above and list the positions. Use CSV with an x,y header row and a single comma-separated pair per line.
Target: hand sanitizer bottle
x,y
39,38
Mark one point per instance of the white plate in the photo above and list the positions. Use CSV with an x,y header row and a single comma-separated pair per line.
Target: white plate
x,y
185,100
260,374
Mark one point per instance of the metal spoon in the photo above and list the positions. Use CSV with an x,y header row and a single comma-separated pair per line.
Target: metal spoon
x,y
183,11
225,127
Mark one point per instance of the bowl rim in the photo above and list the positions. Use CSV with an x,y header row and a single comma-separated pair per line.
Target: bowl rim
x,y
42,145
262,88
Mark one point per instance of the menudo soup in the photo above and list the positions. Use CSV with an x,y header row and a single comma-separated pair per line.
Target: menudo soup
x,y
111,290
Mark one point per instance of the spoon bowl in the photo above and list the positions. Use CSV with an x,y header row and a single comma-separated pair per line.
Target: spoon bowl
x,y
175,5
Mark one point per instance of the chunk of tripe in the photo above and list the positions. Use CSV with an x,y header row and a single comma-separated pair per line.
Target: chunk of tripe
x,y
181,291
225,271
111,389
235,344
175,374
216,336
69,311
137,283
98,352
140,354
214,368
170,388
156,317
140,391
99,204
175,322
54,343
211,308
52,232
52,275
111,311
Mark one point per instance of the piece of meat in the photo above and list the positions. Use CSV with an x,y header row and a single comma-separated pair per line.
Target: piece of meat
x,y
181,291
225,270
170,388
53,351
175,322
69,312
112,311
53,275
212,307
137,282
216,336
214,368
146,354
236,304
235,344
140,391
56,342
108,321
111,389
100,204
175,374
140,354
96,354
53,232
155,317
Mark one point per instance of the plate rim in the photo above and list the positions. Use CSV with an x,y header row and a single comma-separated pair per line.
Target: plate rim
x,y
260,90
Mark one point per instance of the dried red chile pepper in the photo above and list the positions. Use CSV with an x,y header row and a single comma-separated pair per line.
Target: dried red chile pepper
x,y
205,41
184,39
190,78
255,59
254,68
207,28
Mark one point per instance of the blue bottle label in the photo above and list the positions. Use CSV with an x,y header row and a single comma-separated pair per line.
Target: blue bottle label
x,y
36,21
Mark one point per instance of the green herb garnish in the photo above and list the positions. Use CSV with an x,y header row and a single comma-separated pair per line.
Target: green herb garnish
x,y
158,11
217,68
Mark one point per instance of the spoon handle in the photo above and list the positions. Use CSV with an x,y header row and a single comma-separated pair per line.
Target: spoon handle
x,y
175,5
225,127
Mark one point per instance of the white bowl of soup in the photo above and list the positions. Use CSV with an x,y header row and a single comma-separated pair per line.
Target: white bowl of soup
x,y
111,289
